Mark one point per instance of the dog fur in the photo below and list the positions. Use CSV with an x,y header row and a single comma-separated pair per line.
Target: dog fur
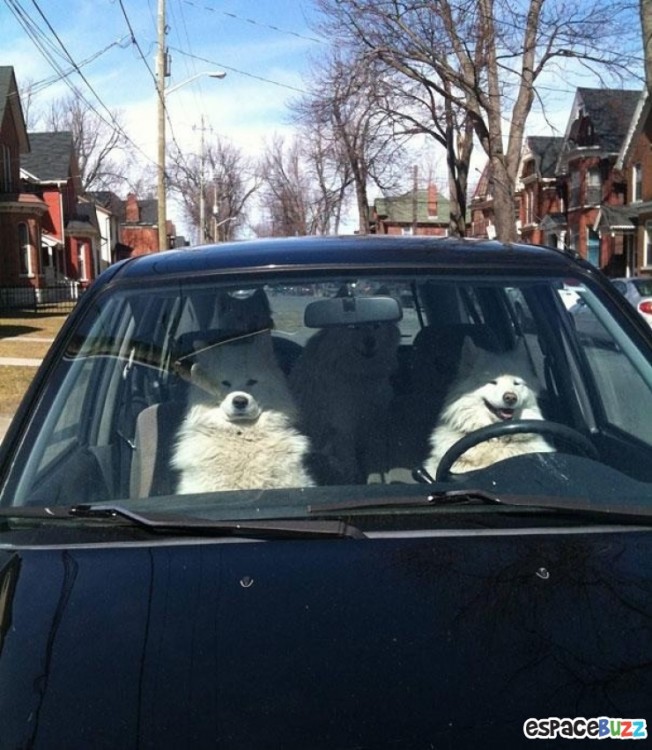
x,y
238,432
342,386
489,388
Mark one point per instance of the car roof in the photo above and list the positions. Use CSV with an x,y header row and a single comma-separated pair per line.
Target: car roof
x,y
353,252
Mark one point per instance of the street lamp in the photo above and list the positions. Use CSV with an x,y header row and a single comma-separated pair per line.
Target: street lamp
x,y
162,93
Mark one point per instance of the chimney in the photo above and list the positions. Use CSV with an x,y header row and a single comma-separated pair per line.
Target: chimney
x,y
432,200
132,211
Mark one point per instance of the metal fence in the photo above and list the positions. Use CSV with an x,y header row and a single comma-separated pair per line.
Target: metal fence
x,y
57,298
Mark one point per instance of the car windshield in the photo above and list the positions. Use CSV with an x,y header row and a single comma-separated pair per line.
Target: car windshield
x,y
276,398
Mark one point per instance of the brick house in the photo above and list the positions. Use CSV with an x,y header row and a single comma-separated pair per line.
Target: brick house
x,y
70,236
634,220
422,212
139,227
539,201
20,212
594,189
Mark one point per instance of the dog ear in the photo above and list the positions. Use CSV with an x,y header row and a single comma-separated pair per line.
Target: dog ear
x,y
468,356
199,378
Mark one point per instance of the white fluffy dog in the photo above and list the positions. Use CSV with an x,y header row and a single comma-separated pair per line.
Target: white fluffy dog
x,y
238,432
489,388
342,386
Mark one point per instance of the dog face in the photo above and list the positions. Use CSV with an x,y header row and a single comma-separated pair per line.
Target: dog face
x,y
492,387
241,379
370,348
505,397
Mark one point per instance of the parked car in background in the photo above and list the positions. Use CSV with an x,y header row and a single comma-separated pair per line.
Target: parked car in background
x,y
222,525
638,291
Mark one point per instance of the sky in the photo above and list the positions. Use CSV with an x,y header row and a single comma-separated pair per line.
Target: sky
x,y
264,46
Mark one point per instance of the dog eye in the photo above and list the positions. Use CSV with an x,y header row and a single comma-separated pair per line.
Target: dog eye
x,y
518,382
493,382
251,381
226,383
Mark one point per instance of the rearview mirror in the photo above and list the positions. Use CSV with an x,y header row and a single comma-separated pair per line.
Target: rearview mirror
x,y
352,311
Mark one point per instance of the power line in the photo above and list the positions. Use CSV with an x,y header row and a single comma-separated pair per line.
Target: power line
x,y
240,72
253,22
42,43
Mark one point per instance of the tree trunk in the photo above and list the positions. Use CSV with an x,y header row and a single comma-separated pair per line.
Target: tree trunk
x,y
646,26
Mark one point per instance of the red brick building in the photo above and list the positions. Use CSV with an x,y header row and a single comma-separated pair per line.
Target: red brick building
x,y
20,212
139,227
70,236
594,188
539,201
633,224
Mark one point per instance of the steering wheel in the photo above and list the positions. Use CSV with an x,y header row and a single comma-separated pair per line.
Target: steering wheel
x,y
573,438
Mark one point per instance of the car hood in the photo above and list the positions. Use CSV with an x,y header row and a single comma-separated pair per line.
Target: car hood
x,y
392,642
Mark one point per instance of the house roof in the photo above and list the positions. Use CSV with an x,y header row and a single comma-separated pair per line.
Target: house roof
x,y
610,112
51,156
637,123
148,211
547,150
400,209
614,217
10,98
109,200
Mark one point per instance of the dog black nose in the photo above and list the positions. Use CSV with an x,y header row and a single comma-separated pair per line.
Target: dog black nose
x,y
240,402
510,398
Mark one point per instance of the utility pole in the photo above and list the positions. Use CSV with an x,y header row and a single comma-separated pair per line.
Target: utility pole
x,y
202,197
161,73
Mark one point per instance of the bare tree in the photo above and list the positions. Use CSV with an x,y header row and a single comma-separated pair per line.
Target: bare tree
x,y
484,58
226,178
101,148
351,110
302,188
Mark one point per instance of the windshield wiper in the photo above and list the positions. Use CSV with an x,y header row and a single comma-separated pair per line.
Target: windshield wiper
x,y
584,506
175,524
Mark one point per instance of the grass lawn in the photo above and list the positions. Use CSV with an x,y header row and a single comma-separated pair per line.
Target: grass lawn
x,y
14,380
13,384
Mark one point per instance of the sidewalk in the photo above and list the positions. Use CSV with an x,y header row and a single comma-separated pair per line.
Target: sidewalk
x,y
4,425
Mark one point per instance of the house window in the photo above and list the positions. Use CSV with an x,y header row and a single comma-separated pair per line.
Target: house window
x,y
407,230
83,268
529,206
593,187
24,250
647,253
6,182
574,197
593,247
637,183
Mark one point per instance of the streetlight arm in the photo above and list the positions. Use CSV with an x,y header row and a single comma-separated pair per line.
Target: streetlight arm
x,y
215,74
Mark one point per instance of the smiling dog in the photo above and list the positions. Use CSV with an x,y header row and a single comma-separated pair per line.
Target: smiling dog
x,y
489,388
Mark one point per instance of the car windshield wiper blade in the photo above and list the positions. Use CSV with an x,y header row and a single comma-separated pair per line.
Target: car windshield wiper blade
x,y
579,505
176,524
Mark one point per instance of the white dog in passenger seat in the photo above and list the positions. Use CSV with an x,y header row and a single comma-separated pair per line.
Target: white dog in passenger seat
x,y
238,431
489,388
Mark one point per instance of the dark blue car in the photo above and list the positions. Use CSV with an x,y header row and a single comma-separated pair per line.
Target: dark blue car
x,y
331,493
